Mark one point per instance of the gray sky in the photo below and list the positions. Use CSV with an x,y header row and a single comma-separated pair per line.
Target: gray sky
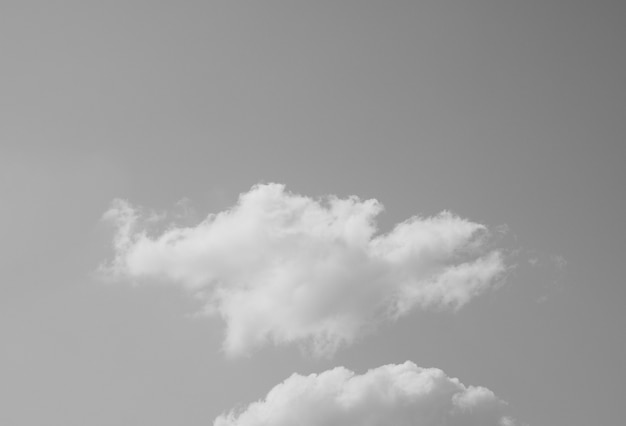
x,y
506,113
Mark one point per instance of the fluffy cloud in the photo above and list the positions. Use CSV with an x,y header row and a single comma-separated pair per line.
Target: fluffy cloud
x,y
284,268
397,395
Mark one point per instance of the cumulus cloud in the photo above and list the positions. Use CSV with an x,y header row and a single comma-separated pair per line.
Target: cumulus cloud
x,y
397,395
285,268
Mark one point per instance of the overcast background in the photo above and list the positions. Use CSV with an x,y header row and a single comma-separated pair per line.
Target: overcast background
x,y
507,113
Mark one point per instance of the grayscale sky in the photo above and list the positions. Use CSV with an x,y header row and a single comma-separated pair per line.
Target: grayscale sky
x,y
509,114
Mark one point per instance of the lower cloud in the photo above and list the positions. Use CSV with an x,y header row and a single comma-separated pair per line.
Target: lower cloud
x,y
390,395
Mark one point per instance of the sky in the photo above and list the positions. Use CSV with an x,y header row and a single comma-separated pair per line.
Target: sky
x,y
442,181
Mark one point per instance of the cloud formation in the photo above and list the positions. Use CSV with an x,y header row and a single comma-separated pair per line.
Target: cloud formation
x,y
285,268
397,395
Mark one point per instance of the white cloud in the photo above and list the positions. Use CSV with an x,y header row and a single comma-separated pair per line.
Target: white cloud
x,y
391,395
285,268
